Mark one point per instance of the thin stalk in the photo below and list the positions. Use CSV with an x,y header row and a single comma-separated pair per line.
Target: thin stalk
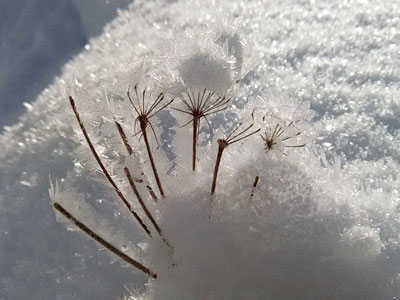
x,y
146,210
124,138
225,142
254,188
195,129
140,199
199,105
103,242
103,168
130,151
221,147
152,194
153,165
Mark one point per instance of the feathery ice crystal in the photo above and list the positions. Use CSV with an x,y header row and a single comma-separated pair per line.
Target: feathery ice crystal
x,y
269,229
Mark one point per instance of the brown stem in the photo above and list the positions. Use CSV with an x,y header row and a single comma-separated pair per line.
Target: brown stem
x,y
124,138
106,244
195,129
255,182
103,168
151,192
153,166
130,151
140,199
254,187
147,212
221,146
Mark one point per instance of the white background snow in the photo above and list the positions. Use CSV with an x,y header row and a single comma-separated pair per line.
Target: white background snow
x,y
341,56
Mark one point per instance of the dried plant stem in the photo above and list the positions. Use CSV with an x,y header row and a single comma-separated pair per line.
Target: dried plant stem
x,y
232,138
200,104
102,167
144,113
146,210
124,138
254,187
255,181
152,194
153,165
130,151
106,244
221,147
195,135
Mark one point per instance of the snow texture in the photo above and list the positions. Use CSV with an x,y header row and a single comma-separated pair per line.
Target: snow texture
x,y
323,221
37,38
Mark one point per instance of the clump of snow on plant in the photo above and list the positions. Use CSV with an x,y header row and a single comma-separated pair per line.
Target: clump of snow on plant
x,y
201,58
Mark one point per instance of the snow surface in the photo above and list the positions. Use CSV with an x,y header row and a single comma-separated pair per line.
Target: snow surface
x,y
37,38
324,220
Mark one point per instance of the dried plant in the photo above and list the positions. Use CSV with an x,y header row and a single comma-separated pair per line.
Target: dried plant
x,y
200,105
131,181
197,105
145,111
276,134
143,205
232,138
106,244
254,187
206,77
103,168
130,152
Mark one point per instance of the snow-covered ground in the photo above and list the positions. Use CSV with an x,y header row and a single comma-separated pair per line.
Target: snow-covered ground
x,y
342,57
37,38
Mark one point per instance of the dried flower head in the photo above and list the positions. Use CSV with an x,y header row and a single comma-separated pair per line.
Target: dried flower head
x,y
279,134
199,105
145,110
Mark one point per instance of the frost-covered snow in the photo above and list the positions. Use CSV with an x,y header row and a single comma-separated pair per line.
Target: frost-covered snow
x,y
37,38
324,220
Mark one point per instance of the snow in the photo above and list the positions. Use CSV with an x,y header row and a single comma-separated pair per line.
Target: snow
x,y
37,38
323,221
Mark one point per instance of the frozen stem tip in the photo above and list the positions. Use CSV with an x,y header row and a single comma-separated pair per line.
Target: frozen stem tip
x,y
145,110
233,137
103,242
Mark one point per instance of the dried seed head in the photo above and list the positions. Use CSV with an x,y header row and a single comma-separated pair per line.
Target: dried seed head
x,y
278,135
